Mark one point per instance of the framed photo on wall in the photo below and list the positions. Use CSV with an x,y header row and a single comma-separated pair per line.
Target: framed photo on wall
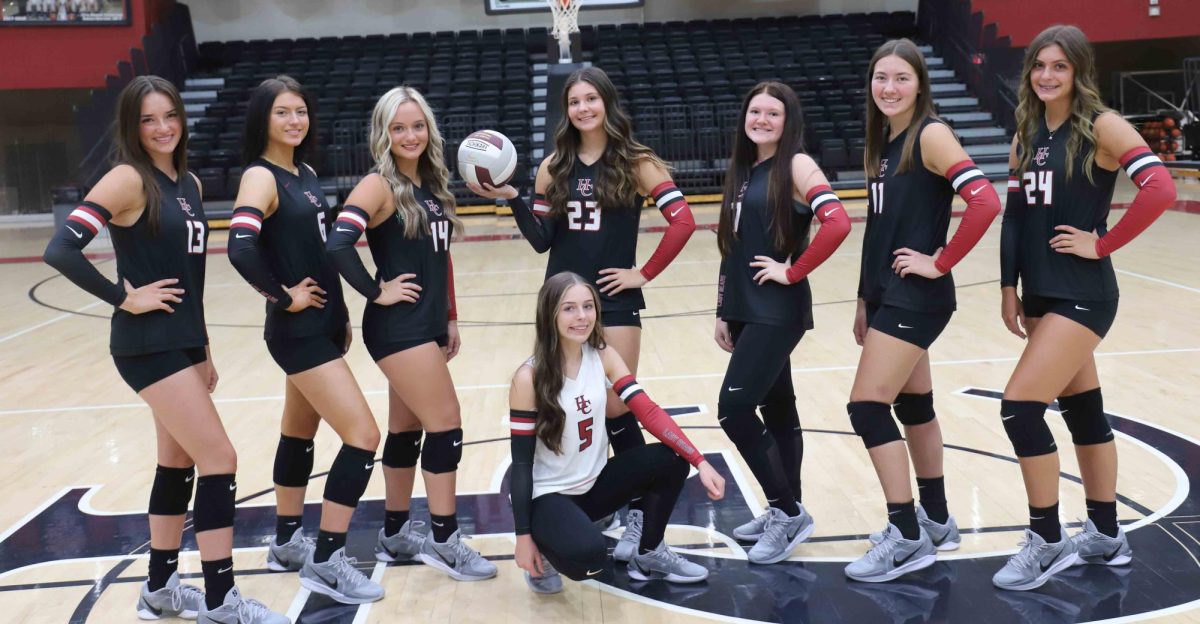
x,y
500,7
64,13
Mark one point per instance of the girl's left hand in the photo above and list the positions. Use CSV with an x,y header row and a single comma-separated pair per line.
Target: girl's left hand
x,y
909,262
771,270
453,342
616,280
1075,241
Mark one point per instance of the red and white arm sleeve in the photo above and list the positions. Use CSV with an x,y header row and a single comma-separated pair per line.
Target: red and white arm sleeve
x,y
680,225
655,420
1156,193
983,204
835,226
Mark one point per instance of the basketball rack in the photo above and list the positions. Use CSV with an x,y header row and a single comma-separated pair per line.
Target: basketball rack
x,y
566,21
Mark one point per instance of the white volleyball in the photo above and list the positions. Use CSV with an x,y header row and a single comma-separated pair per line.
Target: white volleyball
x,y
487,157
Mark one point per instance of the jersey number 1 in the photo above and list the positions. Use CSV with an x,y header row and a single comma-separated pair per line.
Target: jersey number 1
x,y
195,239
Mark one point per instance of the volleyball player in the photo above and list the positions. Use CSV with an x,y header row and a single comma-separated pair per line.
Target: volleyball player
x,y
764,304
410,326
277,242
914,167
1055,240
159,343
586,210
562,479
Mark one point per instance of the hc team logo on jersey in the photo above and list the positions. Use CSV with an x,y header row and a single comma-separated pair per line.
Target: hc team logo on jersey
x,y
1042,154
585,187
313,198
583,405
183,204
434,207
882,166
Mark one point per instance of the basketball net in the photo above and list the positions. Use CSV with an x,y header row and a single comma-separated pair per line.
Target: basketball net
x,y
566,21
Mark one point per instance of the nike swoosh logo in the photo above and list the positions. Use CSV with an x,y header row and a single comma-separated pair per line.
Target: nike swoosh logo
x,y
341,229
368,466
458,443
189,478
1078,307
830,211
77,234
1047,566
1008,417
153,610
1147,179
309,449
976,191
722,419
903,326
1037,517
677,210
636,313
899,562
224,570
618,431
243,236
444,559
172,561
1112,555
232,487
439,524
594,572
732,389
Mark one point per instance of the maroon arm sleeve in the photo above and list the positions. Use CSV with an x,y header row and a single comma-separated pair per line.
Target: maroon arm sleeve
x,y
983,204
655,420
835,226
681,224
1156,193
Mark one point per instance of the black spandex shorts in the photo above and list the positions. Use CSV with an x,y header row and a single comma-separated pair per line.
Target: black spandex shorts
x,y
380,351
296,355
917,328
1097,316
621,318
143,371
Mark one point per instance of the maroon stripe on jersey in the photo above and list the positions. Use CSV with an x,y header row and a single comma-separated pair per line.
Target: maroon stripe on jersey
x,y
541,207
355,217
522,422
91,216
247,218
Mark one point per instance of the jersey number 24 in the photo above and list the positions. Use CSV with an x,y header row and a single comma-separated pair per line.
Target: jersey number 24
x,y
1039,182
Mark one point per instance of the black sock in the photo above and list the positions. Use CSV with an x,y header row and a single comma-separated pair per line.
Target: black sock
x,y
904,517
218,580
327,543
1103,515
163,563
285,526
1044,522
933,498
393,521
443,527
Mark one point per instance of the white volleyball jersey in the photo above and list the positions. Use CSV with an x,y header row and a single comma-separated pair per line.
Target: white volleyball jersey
x,y
584,437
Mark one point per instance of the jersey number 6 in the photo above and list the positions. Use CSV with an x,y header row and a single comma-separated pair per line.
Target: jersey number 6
x,y
583,216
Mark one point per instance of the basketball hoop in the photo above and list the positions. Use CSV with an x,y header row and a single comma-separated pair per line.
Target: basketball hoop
x,y
566,21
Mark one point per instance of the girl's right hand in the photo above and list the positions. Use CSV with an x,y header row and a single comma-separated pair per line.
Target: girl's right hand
x,y
527,556
399,289
860,322
724,340
1012,311
151,297
306,294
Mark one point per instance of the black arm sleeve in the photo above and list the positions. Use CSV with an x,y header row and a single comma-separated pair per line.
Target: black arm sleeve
x,y
520,482
65,252
1010,232
350,225
247,258
539,231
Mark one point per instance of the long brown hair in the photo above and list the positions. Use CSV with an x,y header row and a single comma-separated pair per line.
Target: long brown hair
x,y
877,121
548,356
127,141
780,185
1085,98
616,182
258,119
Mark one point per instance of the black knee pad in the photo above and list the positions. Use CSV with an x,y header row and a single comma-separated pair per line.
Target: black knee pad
x,y
293,461
1025,424
1085,417
349,475
215,496
402,449
742,426
172,490
872,421
914,409
443,451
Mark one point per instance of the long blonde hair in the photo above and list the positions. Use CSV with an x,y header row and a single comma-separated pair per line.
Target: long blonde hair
x,y
923,108
1085,98
431,166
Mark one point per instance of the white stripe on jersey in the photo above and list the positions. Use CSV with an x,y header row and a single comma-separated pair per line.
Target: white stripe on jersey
x,y
822,197
628,391
668,198
1014,184
519,426
356,219
80,213
1145,161
246,220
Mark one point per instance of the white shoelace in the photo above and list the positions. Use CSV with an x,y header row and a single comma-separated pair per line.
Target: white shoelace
x,y
178,595
1026,557
465,553
345,568
883,548
250,608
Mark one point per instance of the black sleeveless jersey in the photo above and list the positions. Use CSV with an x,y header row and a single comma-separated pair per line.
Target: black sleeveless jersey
x,y
293,243
905,210
588,238
1051,199
177,251
742,299
427,256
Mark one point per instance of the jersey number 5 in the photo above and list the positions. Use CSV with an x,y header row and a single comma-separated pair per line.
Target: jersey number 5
x,y
1036,181
195,239
585,433
583,216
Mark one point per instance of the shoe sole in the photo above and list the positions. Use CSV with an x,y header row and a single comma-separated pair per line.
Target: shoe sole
x,y
382,555
947,546
534,588
1043,577
323,589
435,562
149,615
637,575
787,552
916,564
1116,561
275,566
748,538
